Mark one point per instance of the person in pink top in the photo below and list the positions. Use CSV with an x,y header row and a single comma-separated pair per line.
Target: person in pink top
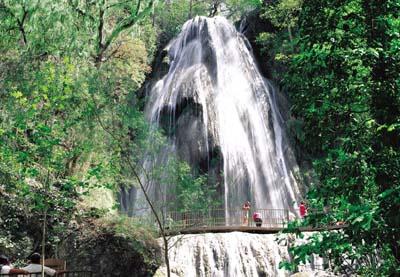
x,y
246,208
257,219
303,209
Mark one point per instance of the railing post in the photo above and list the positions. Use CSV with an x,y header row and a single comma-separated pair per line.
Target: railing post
x,y
287,218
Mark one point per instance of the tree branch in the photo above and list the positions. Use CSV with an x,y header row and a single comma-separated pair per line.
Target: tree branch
x,y
138,7
123,25
21,25
100,45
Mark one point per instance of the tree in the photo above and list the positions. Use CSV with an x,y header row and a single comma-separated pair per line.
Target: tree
x,y
343,83
56,83
108,19
283,14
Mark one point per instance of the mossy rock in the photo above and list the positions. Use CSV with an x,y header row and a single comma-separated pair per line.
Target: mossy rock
x,y
112,248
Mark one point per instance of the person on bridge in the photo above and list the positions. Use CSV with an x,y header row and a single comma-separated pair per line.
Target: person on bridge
x,y
246,208
303,209
257,219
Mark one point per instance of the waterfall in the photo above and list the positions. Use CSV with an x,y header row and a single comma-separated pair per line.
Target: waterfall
x,y
235,254
221,116
231,254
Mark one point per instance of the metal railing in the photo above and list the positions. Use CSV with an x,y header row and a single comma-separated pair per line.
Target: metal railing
x,y
75,273
220,219
271,218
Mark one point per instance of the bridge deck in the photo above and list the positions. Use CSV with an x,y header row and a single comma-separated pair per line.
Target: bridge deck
x,y
222,221
250,229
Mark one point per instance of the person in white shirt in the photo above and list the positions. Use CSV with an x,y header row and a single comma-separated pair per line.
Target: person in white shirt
x,y
6,268
36,267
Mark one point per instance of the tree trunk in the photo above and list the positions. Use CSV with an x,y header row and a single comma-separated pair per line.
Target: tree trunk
x,y
166,257
190,9
44,240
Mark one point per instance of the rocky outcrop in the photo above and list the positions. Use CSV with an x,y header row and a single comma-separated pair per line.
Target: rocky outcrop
x,y
111,248
251,25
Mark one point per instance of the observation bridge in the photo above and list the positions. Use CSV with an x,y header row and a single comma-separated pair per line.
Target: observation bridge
x,y
222,221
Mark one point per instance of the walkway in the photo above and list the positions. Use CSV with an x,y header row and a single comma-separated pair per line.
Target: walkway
x,y
220,221
252,229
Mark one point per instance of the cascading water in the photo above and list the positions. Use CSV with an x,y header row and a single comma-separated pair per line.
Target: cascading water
x,y
216,106
235,254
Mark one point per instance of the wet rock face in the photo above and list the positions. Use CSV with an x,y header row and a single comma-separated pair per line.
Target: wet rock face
x,y
184,124
251,26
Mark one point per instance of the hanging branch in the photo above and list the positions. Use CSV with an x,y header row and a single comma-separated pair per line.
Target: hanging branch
x,y
122,25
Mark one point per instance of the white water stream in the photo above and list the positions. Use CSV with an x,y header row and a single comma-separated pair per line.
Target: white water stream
x,y
234,254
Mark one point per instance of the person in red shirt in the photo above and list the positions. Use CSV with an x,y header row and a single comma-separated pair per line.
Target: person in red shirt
x,y
303,209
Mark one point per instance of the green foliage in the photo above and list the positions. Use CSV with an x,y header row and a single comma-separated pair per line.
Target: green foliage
x,y
69,72
192,193
171,15
283,14
342,77
277,44
130,228
236,9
